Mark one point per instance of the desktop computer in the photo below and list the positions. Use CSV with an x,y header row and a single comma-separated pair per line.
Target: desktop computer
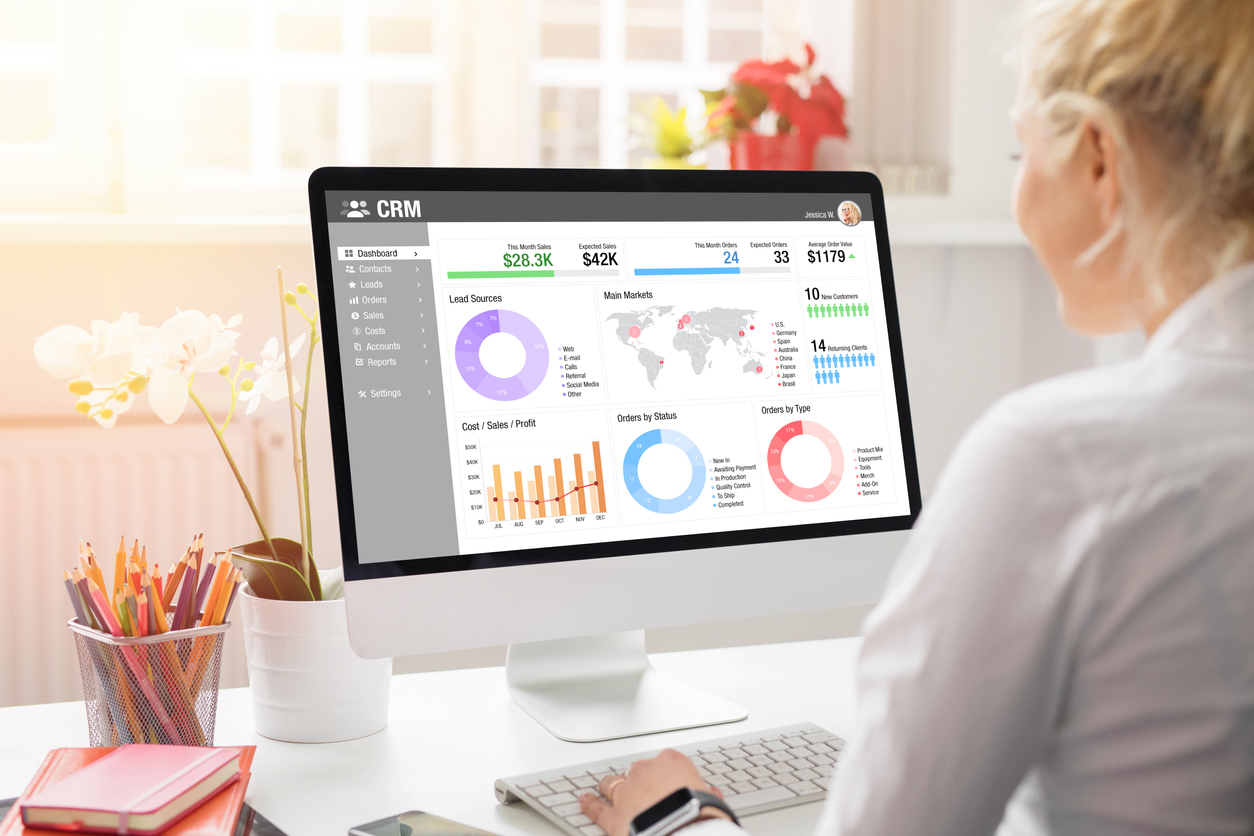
x,y
567,406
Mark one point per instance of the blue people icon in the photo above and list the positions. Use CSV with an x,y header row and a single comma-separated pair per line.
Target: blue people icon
x,y
817,379
872,358
837,376
815,358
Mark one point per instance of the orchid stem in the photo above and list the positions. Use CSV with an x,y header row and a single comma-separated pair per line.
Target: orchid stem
x,y
239,477
304,411
301,511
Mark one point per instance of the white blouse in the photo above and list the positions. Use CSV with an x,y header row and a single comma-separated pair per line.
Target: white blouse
x,y
1066,645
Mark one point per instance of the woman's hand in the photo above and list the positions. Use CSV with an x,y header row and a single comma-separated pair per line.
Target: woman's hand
x,y
647,783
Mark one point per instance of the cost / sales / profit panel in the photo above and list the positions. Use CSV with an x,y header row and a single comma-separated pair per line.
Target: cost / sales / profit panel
x,y
530,376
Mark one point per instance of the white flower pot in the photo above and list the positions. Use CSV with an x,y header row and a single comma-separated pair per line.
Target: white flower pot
x,y
308,686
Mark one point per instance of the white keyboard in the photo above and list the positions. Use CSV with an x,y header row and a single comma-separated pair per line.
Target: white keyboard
x,y
756,771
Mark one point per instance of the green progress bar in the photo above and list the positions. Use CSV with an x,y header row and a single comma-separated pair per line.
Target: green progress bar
x,y
501,274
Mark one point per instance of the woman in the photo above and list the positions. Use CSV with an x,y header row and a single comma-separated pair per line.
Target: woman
x,y
1067,643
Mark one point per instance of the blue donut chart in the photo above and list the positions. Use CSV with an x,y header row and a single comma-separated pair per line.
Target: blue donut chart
x,y
631,471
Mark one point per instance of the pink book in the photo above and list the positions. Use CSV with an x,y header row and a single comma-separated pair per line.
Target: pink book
x,y
138,789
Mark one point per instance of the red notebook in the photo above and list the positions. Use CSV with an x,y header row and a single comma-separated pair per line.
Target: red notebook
x,y
171,788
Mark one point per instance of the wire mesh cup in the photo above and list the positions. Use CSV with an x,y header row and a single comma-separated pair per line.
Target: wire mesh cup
x,y
152,689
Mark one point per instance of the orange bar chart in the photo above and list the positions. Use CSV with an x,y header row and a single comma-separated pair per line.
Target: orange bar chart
x,y
547,490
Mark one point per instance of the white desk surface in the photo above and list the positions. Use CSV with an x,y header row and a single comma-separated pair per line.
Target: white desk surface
x,y
452,733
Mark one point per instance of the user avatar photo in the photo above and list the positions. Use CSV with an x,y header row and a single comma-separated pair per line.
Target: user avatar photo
x,y
354,208
850,214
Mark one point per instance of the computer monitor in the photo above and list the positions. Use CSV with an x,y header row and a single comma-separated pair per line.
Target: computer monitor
x,y
570,405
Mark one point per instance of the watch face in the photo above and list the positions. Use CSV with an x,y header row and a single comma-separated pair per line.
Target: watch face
x,y
666,807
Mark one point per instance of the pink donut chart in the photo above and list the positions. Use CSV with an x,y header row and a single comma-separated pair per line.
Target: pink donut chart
x,y
775,453
470,340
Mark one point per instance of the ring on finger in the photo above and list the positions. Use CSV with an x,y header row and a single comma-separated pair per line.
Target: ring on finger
x,y
609,791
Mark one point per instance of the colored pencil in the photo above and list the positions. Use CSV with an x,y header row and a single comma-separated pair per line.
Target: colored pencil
x,y
172,581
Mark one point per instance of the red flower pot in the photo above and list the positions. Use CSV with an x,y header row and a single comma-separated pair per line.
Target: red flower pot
x,y
781,152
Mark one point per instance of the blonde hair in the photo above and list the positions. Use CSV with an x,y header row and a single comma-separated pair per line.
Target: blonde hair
x,y
1178,74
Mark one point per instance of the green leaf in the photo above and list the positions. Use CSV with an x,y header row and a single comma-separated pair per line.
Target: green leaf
x,y
272,579
288,554
713,96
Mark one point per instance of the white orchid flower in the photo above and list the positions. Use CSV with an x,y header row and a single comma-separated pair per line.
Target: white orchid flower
x,y
103,357
186,343
272,378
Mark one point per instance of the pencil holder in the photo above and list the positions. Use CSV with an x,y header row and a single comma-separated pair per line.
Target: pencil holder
x,y
153,689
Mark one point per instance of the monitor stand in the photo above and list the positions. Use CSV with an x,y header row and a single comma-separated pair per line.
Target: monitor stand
x,y
603,687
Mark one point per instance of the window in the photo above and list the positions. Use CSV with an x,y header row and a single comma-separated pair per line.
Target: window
x,y
213,105
597,58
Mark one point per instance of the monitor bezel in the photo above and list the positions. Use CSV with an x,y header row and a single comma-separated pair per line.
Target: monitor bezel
x,y
329,179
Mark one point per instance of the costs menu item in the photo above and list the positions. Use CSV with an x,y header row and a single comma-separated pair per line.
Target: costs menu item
x,y
515,382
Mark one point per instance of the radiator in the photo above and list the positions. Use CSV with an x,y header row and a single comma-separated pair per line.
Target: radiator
x,y
58,484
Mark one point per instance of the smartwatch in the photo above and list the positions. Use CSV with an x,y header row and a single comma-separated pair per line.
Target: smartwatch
x,y
676,810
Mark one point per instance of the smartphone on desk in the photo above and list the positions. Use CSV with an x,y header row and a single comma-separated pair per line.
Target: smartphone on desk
x,y
415,823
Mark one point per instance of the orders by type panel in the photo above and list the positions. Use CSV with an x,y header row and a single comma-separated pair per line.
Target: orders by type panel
x,y
826,453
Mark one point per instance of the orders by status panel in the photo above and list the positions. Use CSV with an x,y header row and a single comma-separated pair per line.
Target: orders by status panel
x,y
624,380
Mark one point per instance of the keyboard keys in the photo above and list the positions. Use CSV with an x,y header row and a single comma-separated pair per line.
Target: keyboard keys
x,y
793,766
752,799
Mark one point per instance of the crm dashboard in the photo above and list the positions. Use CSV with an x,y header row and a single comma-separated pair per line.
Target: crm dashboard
x,y
528,384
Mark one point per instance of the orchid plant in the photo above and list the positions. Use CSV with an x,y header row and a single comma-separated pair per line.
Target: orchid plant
x,y
109,366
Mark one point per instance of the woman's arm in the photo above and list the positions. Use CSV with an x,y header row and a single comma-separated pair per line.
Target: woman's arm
x,y
963,672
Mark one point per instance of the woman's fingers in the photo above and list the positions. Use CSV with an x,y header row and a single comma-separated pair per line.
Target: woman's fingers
x,y
595,809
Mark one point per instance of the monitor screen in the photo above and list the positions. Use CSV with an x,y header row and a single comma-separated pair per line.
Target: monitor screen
x,y
526,376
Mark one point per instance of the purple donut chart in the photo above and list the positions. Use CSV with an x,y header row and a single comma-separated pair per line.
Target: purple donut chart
x,y
500,321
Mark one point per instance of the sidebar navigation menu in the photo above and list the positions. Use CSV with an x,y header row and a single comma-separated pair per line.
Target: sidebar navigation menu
x,y
393,389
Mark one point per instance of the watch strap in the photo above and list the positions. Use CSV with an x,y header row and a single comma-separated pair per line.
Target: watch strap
x,y
706,799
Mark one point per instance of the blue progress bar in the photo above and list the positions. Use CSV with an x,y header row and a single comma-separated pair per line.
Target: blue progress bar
x,y
685,271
